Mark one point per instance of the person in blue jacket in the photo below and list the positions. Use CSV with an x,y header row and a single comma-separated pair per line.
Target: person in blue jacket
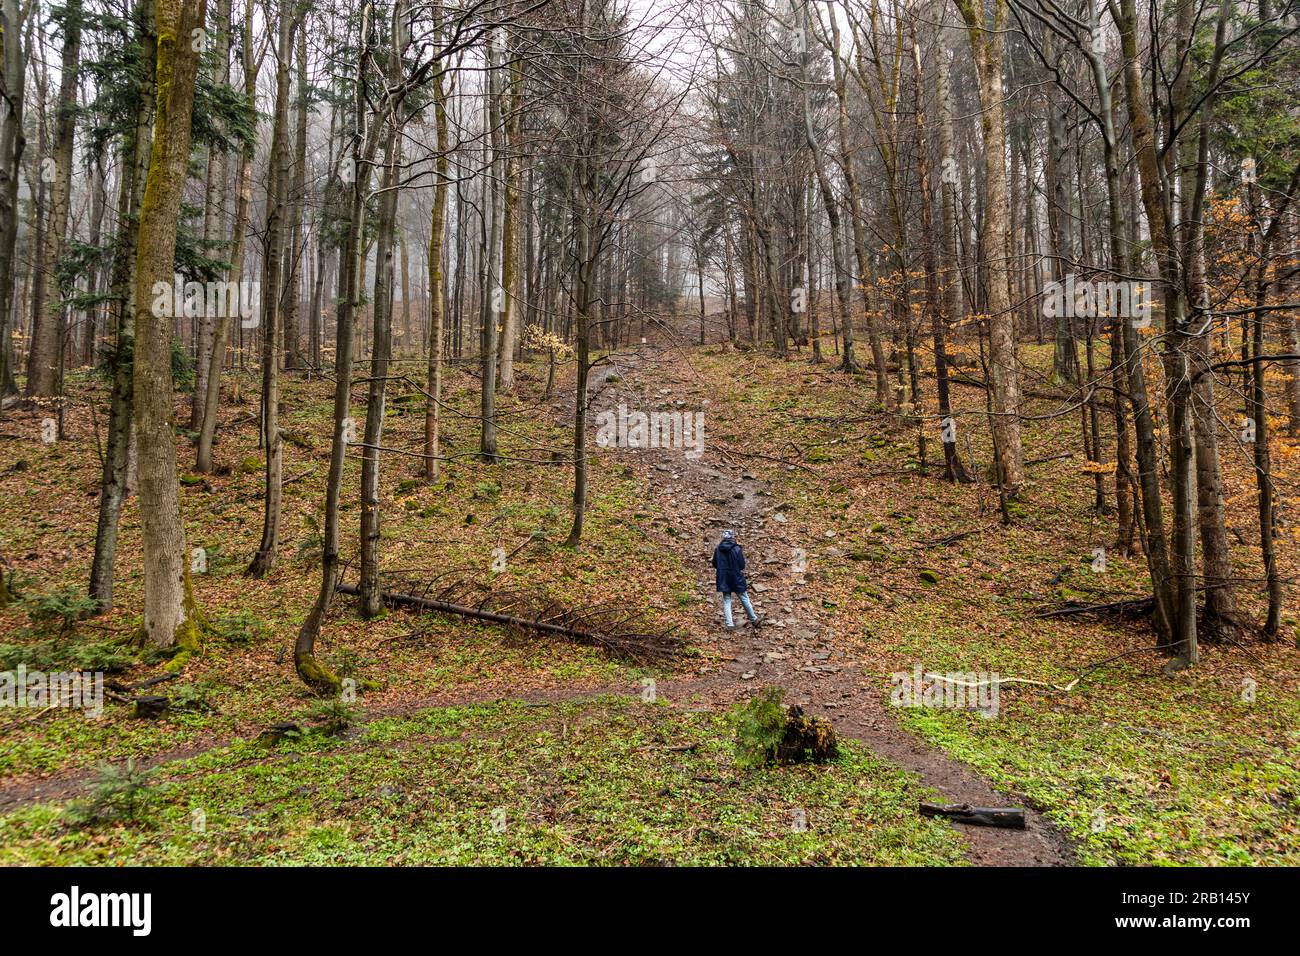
x,y
729,561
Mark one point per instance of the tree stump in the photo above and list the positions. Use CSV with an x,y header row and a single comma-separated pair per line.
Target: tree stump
x,y
149,706
806,739
276,733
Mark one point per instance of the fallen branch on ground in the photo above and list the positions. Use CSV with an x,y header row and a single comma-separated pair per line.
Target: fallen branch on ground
x,y
141,685
1011,818
1127,608
594,627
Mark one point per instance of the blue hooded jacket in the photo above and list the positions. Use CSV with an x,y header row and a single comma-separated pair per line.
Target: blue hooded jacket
x,y
729,560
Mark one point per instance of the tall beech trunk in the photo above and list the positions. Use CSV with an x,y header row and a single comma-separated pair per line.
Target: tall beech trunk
x,y
848,360
494,293
437,285
136,149
273,303
13,142
1148,451
1182,563
985,25
583,295
214,206
297,201
954,470
1216,558
45,359
90,313
1257,410
171,616
1060,226
33,297
1293,375
843,280
311,671
510,232
371,601
238,231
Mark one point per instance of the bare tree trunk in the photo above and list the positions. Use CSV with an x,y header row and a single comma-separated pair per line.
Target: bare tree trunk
x,y
243,202
91,312
1257,409
1182,563
372,602
1293,378
297,200
1060,223
699,275
1263,466
13,142
313,673
510,233
582,333
45,359
985,23
843,281
1148,483
117,479
214,206
954,470
494,294
272,301
437,287
170,614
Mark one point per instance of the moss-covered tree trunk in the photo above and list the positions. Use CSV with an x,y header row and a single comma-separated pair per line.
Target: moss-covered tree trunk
x,y
170,614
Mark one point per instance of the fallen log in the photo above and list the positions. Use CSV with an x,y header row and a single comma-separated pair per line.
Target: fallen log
x,y
1049,396
284,730
1010,818
149,707
644,646
1127,608
141,685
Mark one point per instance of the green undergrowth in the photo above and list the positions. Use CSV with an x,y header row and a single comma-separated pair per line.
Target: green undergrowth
x,y
1137,766
597,781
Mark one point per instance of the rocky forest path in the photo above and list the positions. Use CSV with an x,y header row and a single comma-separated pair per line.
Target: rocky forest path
x,y
716,490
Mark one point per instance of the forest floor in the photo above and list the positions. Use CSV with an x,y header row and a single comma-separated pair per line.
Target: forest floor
x,y
472,744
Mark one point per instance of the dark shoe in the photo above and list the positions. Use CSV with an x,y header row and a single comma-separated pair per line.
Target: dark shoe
x,y
758,621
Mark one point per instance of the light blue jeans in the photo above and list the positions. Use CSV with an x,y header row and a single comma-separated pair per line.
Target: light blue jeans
x,y
744,601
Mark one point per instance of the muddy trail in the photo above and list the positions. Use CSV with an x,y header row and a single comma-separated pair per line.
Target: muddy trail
x,y
706,493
